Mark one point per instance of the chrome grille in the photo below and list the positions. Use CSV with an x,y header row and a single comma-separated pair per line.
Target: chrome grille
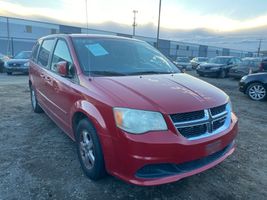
x,y
203,123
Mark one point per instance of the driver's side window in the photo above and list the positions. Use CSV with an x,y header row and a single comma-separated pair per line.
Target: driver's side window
x,y
61,53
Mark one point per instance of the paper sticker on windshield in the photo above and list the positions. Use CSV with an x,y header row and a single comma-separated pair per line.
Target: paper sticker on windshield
x,y
97,49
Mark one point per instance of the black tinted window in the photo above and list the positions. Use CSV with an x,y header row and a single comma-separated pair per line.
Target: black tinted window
x,y
44,53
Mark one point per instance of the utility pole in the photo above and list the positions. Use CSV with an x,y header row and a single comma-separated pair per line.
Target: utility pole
x,y
158,24
259,49
134,22
8,37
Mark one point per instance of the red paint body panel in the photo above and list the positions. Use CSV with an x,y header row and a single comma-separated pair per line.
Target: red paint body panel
x,y
125,153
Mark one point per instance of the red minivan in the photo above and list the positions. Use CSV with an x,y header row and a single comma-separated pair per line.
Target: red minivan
x,y
130,110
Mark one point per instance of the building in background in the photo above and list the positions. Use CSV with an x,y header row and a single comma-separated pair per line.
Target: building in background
x,y
20,34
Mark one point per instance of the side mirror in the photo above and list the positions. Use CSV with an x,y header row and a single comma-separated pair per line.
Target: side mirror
x,y
62,68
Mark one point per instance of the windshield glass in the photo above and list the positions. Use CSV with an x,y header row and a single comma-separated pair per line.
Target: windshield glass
x,y
202,59
219,60
182,59
120,57
23,55
251,62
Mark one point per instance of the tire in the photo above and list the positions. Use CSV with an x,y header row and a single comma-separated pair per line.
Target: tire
x,y
222,74
89,150
9,73
200,74
256,92
34,102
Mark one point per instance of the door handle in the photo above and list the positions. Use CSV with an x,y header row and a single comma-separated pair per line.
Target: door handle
x,y
55,86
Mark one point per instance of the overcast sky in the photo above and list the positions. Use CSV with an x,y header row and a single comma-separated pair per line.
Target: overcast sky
x,y
217,15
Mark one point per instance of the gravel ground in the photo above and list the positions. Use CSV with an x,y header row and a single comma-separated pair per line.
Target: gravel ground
x,y
38,161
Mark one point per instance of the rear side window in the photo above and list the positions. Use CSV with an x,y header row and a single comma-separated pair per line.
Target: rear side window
x,y
35,51
44,52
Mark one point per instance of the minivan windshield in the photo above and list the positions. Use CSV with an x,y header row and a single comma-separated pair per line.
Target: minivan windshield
x,y
120,57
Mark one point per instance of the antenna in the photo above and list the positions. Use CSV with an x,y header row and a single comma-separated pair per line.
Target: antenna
x,y
86,12
87,26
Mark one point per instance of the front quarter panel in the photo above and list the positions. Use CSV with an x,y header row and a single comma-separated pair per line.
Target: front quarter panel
x,y
105,127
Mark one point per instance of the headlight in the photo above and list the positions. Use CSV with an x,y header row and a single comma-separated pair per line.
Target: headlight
x,y
139,121
26,64
244,78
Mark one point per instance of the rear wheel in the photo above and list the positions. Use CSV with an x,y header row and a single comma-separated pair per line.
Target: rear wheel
x,y
35,105
257,92
89,150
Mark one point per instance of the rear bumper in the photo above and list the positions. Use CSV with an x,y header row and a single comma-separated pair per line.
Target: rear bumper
x,y
141,157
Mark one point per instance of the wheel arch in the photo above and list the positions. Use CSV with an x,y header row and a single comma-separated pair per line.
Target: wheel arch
x,y
84,109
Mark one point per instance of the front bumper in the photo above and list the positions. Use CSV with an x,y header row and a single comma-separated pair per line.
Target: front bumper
x,y
17,69
236,74
242,86
140,156
208,72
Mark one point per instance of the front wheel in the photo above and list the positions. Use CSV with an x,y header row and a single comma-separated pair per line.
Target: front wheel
x,y
89,150
256,92
222,74
9,73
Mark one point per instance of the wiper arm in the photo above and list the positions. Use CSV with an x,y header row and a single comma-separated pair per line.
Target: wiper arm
x,y
107,73
148,72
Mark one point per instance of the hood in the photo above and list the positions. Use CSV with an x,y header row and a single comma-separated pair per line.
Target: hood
x,y
17,61
168,94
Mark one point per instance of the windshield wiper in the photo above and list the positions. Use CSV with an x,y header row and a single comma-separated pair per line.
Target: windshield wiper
x,y
148,72
107,73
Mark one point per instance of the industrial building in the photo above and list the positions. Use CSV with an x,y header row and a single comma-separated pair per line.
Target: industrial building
x,y
20,34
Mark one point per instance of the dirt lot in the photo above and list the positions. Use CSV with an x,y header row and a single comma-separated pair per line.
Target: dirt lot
x,y
38,161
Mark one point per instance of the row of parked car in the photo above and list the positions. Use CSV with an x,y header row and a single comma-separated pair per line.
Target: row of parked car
x,y
251,71
223,66
18,63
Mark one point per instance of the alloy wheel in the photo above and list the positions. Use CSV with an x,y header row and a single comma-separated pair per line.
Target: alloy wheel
x,y
87,149
257,92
